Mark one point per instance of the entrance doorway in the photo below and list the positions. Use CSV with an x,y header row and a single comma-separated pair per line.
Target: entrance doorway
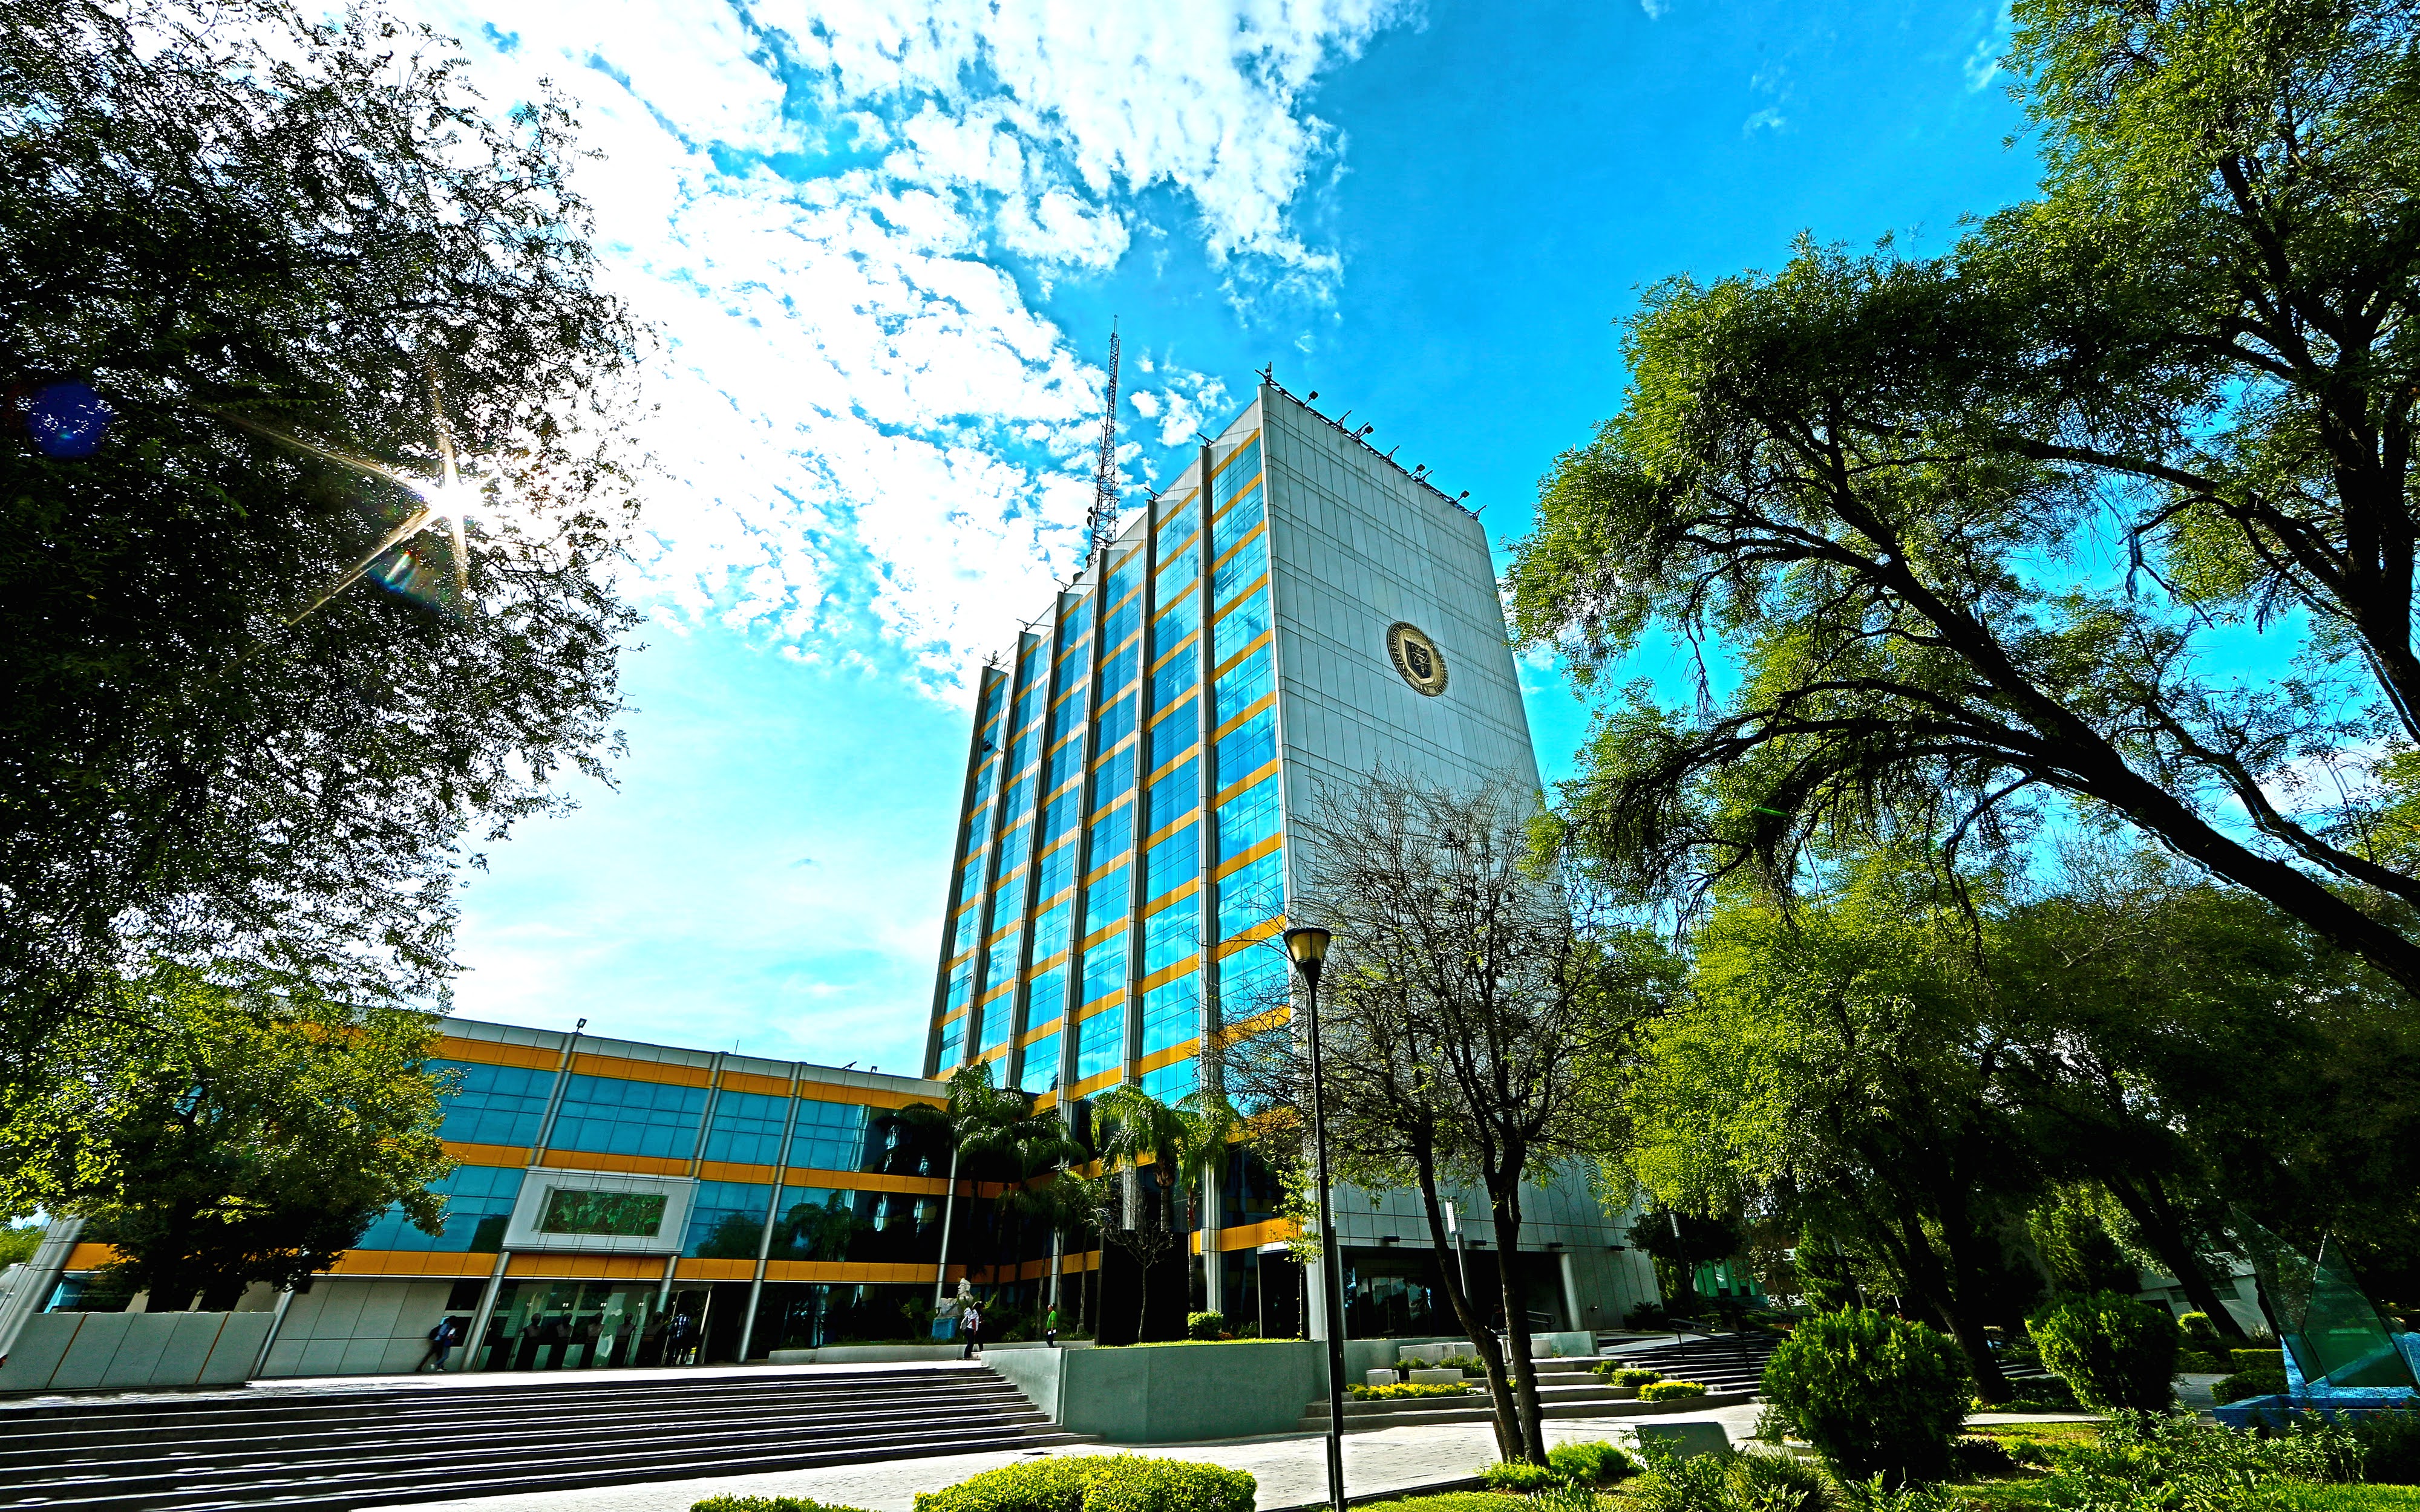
x,y
570,1325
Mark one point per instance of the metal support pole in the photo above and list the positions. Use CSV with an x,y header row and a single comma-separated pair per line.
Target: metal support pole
x,y
277,1321
478,1339
1331,1268
948,1205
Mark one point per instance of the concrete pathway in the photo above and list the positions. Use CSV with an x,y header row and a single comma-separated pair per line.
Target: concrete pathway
x,y
1292,1469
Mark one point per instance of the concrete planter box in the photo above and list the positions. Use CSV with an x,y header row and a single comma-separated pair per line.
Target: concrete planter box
x,y
1563,1346
131,1352
866,1353
1436,1378
1171,1393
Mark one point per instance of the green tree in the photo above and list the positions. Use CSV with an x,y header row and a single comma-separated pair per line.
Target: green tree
x,y
1836,1065
1477,1008
1879,484
273,247
219,1134
1170,1151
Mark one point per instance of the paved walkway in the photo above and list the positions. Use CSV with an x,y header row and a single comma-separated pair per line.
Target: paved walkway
x,y
1292,1469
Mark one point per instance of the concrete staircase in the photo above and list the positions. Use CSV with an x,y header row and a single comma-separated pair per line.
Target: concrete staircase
x,y
1566,1388
1723,1363
342,1448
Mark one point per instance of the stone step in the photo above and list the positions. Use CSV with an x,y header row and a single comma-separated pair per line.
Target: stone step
x,y
335,1449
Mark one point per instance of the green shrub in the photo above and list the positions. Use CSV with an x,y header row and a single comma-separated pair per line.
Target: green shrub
x,y
1627,1375
1757,1481
765,1503
1402,1389
2114,1351
1594,1464
2390,1445
2246,1385
1454,1502
2249,1362
1875,1395
1517,1477
1141,1484
1204,1325
1097,1483
1668,1391
1469,1365
2035,1393
1983,1458
2199,1331
2201,1362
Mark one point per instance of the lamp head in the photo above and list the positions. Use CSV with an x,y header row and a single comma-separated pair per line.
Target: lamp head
x,y
1307,946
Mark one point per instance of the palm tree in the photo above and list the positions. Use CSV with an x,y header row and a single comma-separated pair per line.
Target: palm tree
x,y
1177,1146
1079,1210
1019,1154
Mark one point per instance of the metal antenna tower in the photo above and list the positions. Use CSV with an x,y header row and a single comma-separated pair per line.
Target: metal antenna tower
x,y
1102,522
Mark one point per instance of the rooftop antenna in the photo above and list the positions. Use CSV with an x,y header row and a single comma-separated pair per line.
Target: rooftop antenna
x,y
1102,525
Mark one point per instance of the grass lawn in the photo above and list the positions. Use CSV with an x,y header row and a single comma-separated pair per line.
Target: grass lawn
x,y
2038,1432
2301,1497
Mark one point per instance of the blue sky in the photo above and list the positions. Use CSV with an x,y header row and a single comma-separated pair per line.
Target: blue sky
x,y
880,245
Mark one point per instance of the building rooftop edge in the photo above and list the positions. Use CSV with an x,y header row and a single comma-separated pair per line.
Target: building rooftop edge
x,y
806,1070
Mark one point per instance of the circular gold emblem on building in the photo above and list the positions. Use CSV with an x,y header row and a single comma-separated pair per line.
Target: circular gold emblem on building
x,y
1417,658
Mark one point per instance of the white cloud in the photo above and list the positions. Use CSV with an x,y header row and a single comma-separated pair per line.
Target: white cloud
x,y
1983,63
870,444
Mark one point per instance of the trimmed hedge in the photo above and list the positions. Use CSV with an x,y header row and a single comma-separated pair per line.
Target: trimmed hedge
x,y
1665,1391
1205,1326
1875,1395
1097,1483
766,1504
1406,1388
1627,1375
2113,1349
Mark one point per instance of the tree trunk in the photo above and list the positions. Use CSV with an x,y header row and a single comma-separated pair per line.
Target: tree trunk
x,y
2155,1220
1505,1202
1960,1235
1509,1443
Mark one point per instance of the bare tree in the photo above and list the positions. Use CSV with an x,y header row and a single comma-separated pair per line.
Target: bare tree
x,y
1478,1004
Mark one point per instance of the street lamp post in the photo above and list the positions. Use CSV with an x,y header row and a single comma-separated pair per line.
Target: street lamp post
x,y
1307,946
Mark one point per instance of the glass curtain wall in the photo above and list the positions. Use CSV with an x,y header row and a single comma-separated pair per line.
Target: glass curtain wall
x,y
1121,853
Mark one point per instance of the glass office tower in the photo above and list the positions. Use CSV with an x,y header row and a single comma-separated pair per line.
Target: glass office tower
x,y
1295,607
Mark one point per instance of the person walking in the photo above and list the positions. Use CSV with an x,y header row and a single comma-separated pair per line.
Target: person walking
x,y
970,1319
1050,1326
440,1344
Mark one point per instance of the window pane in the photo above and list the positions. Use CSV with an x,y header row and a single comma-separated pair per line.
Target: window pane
x,y
1100,1043
1050,930
1238,572
994,1027
1171,1014
1251,893
1252,982
1176,575
1001,963
1248,818
1175,1084
1247,747
610,1116
478,1202
1123,574
1104,968
1172,862
1106,902
954,1038
1058,870
726,1220
1117,721
1237,521
1171,935
1124,621
1046,996
1236,474
1179,615
1241,626
1120,670
1241,685
495,1105
1040,1071
1177,732
747,1129
831,1136
1113,832
1173,796
1174,676
1113,778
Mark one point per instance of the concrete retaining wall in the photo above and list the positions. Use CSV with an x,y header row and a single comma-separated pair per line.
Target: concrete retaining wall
x,y
84,1351
1169,1394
